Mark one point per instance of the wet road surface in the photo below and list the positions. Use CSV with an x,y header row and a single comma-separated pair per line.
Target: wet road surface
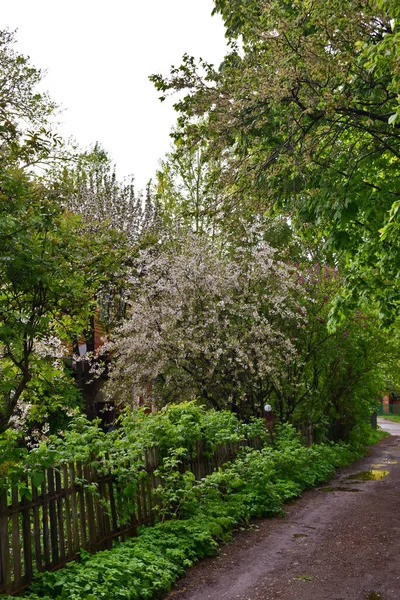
x,y
338,542
390,427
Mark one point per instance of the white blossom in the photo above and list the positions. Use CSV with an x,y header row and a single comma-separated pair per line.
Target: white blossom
x,y
208,324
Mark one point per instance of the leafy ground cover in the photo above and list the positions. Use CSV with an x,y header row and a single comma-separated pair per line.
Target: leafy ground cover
x,y
195,517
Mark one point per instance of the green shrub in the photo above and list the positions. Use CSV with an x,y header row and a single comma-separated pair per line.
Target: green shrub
x,y
194,517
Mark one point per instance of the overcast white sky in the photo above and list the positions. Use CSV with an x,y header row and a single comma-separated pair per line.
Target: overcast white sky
x,y
99,54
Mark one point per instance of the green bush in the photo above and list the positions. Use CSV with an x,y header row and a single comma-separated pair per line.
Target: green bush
x,y
194,517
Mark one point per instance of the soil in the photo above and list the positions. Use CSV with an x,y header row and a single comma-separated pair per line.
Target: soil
x,y
340,541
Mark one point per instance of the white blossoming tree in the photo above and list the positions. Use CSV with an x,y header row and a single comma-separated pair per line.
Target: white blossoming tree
x,y
207,324
91,189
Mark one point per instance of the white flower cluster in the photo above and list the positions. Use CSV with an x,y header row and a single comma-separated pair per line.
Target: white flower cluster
x,y
101,200
50,346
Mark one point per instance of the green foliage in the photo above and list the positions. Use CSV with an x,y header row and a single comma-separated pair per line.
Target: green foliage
x,y
169,436
304,110
363,435
138,569
53,396
16,463
54,267
186,193
222,427
46,287
176,489
64,240
26,135
11,456
256,483
50,274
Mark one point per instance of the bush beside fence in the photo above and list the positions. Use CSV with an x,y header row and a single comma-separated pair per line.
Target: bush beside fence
x,y
43,528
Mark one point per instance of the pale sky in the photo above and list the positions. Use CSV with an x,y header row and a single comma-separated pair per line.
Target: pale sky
x,y
98,56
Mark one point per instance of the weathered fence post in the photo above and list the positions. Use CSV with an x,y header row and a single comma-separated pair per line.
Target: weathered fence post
x,y
27,540
5,576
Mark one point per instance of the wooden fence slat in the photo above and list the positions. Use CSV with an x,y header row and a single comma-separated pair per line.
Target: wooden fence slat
x,y
60,515
45,523
90,513
144,501
99,511
115,523
82,515
16,540
151,485
36,529
52,515
74,508
5,571
139,512
105,514
66,488
27,540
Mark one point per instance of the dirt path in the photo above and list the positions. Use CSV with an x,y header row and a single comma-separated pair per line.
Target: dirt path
x,y
342,544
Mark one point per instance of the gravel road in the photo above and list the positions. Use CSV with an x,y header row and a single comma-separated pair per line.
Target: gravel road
x,y
338,542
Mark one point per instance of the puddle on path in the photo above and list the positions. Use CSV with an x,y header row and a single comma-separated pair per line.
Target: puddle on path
x,y
374,596
300,535
372,475
338,489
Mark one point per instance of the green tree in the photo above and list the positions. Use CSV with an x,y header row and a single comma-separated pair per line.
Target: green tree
x,y
50,271
335,378
186,192
44,287
303,112
26,133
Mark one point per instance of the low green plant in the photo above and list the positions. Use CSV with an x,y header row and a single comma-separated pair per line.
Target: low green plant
x,y
194,517
176,489
140,568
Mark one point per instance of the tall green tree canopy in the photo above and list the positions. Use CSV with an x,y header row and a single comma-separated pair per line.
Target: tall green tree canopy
x,y
26,114
51,270
303,114
48,274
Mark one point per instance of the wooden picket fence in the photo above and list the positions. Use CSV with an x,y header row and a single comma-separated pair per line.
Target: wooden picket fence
x,y
77,508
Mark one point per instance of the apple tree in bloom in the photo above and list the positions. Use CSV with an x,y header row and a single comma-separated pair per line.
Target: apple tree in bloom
x,y
207,324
